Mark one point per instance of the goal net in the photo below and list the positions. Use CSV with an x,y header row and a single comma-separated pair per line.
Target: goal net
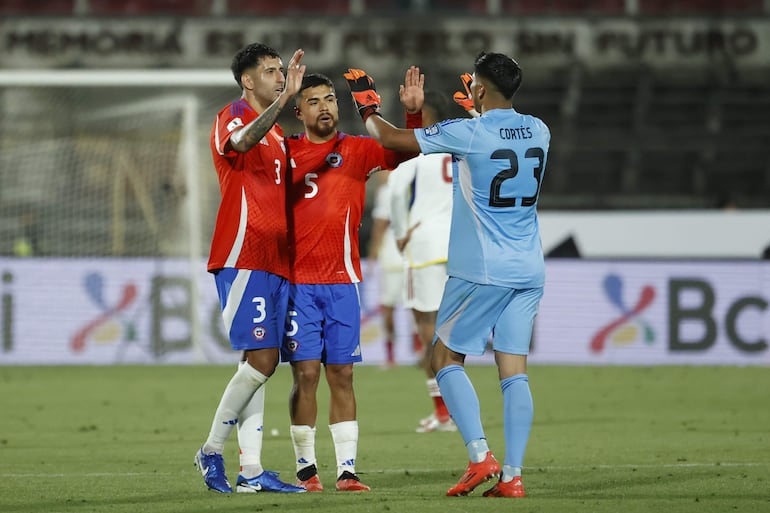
x,y
107,164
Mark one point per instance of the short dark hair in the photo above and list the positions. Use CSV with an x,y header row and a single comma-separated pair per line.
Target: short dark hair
x,y
499,69
315,80
249,57
439,103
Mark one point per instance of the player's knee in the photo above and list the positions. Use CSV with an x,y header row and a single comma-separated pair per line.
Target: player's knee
x,y
442,357
263,360
307,375
340,376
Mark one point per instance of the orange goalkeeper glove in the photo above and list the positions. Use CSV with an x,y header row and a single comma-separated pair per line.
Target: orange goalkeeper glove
x,y
364,93
464,100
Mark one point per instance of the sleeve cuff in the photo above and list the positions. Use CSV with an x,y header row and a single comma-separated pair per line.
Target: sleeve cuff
x,y
414,120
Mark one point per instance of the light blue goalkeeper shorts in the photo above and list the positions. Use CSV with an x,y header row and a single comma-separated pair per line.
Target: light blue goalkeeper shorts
x,y
471,312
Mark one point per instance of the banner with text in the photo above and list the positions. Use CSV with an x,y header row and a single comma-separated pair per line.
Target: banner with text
x,y
123,311
377,43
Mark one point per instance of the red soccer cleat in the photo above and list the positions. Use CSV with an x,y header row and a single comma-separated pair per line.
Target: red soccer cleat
x,y
512,488
475,474
311,485
349,482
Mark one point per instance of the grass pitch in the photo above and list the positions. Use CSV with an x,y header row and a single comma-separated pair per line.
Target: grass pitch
x,y
604,439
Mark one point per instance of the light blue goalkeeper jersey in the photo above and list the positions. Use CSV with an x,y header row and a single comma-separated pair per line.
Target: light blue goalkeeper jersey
x,y
498,165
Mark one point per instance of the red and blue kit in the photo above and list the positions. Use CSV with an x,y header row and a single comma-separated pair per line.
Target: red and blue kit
x,y
327,197
251,228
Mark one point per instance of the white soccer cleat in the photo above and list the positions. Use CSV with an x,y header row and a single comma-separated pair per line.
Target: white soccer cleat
x,y
435,425
427,420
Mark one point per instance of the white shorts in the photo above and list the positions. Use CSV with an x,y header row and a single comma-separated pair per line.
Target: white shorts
x,y
424,287
392,288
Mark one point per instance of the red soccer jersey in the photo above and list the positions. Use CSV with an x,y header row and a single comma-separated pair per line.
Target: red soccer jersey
x,y
327,197
251,229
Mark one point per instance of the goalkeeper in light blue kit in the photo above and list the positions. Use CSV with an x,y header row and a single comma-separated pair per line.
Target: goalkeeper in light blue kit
x,y
495,266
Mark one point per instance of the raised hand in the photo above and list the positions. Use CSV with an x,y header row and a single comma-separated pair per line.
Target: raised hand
x,y
411,92
364,93
294,74
465,99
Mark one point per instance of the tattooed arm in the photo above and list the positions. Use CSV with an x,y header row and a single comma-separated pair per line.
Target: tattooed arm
x,y
248,136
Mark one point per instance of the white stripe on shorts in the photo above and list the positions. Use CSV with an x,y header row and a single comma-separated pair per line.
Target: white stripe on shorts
x,y
234,298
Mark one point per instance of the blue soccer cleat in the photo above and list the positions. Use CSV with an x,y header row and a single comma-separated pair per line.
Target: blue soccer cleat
x,y
212,466
267,481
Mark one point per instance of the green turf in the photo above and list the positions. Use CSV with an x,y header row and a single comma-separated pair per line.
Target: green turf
x,y
604,439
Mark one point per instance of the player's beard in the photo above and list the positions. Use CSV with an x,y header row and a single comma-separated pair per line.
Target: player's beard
x,y
323,129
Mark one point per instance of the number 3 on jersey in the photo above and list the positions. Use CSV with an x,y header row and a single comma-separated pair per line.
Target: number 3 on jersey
x,y
495,198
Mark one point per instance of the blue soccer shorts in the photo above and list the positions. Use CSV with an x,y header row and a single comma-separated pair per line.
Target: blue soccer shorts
x,y
470,312
323,323
253,307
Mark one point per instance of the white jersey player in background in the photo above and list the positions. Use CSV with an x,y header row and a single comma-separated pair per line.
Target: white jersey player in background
x,y
420,214
392,267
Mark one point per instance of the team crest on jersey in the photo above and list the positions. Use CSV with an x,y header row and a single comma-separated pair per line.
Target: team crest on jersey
x,y
235,123
334,159
259,332
293,345
431,130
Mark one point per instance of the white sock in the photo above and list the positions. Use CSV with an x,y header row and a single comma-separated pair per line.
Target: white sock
x,y
250,433
345,436
433,389
477,450
303,439
509,472
237,394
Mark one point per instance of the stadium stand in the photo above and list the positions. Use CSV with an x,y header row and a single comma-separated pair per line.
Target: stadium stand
x,y
631,138
654,7
150,7
624,136
38,8
340,7
271,7
464,6
564,7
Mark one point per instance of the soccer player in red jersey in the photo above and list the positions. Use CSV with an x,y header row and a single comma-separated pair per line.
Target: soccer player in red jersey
x,y
249,256
329,173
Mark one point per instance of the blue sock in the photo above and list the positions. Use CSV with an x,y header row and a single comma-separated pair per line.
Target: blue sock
x,y
517,413
462,402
